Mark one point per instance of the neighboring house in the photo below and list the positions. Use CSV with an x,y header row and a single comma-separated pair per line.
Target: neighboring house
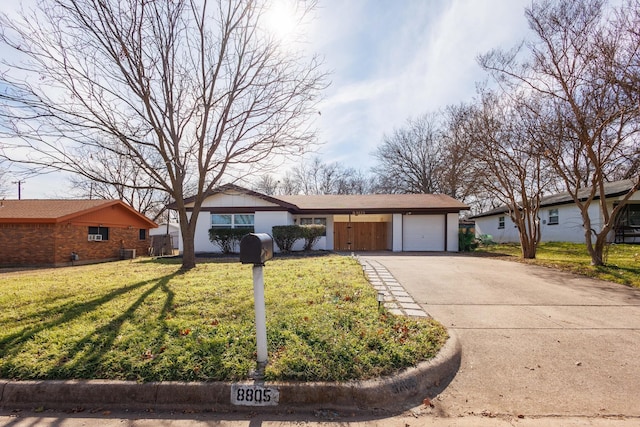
x,y
395,222
561,220
48,232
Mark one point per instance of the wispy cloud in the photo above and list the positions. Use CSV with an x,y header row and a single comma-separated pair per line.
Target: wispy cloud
x,y
395,60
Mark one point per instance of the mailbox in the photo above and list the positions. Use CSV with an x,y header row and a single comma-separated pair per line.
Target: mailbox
x,y
256,248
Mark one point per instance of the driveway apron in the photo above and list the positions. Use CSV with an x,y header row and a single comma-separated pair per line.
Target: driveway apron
x,y
535,341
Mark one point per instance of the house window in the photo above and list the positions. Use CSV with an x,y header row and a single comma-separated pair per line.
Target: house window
x,y
232,220
500,222
553,217
315,221
143,234
630,216
97,234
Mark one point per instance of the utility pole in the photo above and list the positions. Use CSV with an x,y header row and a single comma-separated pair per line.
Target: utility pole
x,y
19,182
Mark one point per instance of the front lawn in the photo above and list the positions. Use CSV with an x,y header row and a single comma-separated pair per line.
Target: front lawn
x,y
148,321
622,260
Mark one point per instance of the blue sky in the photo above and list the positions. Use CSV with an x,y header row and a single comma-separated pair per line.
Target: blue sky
x,y
389,60
393,60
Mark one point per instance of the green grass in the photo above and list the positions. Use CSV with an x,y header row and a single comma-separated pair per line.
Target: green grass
x,y
622,261
148,321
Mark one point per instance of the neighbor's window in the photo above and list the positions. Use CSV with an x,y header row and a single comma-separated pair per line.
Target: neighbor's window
x,y
315,221
634,215
143,234
103,232
553,217
500,222
232,220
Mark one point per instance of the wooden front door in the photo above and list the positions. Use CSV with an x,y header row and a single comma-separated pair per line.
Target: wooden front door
x,y
363,236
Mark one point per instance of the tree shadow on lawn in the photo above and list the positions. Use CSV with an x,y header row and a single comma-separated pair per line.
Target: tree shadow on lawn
x,y
94,345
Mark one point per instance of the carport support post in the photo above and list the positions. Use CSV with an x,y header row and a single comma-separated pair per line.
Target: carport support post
x,y
261,320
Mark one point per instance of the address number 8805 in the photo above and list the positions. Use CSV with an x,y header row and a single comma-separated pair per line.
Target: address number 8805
x,y
254,395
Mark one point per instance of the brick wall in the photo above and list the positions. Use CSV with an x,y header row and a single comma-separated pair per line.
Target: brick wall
x,y
52,244
26,244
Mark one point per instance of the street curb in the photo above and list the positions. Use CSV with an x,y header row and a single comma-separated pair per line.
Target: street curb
x,y
404,390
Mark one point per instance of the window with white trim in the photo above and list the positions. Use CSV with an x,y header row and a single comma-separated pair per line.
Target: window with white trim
x,y
554,218
232,220
500,222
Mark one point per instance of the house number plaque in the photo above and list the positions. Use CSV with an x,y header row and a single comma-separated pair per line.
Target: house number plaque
x,y
254,395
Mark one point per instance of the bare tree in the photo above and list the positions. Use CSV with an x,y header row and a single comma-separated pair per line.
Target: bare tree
x,y
584,63
353,181
508,164
457,174
314,177
186,90
289,184
267,184
125,181
409,159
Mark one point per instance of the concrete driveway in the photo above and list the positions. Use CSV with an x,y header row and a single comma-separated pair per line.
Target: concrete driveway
x,y
535,341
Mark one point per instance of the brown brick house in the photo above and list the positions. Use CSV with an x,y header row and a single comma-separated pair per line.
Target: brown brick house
x,y
48,232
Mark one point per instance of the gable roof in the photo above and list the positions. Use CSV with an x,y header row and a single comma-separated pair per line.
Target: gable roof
x,y
344,204
39,211
611,189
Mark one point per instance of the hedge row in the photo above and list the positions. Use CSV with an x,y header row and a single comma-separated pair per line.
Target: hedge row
x,y
285,236
228,238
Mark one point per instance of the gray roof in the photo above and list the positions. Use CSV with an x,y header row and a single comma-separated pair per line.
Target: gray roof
x,y
611,189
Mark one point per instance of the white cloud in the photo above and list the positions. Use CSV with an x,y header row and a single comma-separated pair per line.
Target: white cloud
x,y
395,59
420,57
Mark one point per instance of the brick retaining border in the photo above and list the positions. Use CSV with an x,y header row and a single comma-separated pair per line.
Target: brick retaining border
x,y
402,391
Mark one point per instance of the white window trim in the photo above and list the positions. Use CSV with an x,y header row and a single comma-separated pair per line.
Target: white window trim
x,y
233,221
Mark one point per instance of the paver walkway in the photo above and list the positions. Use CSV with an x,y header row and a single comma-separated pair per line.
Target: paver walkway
x,y
395,297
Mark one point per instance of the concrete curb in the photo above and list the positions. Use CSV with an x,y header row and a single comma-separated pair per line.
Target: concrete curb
x,y
407,389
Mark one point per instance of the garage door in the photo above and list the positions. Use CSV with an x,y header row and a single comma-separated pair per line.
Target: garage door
x,y
423,233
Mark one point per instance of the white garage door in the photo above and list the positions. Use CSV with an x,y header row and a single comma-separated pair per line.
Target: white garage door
x,y
423,233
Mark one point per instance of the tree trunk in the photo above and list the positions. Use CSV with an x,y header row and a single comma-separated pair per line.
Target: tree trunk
x,y
597,256
187,229
528,245
188,252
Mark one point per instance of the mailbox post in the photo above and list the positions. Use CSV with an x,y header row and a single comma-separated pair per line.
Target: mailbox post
x,y
256,249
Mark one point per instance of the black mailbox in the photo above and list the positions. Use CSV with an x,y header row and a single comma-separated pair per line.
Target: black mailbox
x,y
256,248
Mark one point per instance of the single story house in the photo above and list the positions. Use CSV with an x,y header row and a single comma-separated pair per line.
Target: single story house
x,y
561,220
394,222
64,232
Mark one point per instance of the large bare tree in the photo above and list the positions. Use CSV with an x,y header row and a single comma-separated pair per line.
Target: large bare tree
x,y
508,163
409,160
186,90
583,62
457,174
